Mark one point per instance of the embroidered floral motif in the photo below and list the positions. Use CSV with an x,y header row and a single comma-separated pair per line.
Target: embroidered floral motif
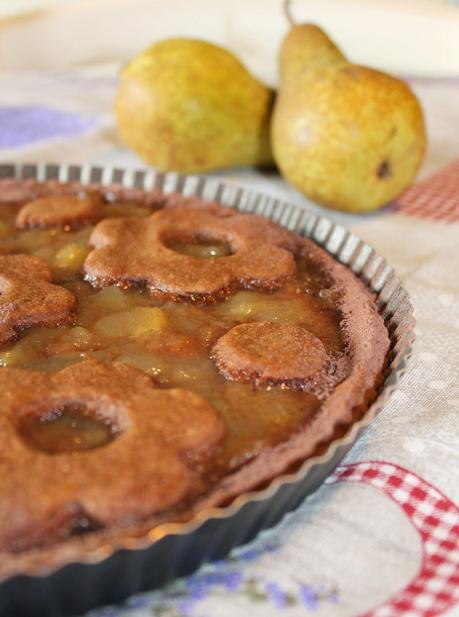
x,y
184,598
21,126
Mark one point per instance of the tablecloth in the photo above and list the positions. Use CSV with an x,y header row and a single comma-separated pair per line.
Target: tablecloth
x,y
381,537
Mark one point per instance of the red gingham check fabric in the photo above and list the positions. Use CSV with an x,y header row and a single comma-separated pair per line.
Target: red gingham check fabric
x,y
436,197
435,588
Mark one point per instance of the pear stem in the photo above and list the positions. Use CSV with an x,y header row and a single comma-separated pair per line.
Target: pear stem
x,y
287,12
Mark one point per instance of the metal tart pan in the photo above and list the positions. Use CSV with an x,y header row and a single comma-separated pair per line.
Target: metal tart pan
x,y
109,574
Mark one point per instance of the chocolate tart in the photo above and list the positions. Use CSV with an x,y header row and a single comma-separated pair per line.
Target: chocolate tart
x,y
180,365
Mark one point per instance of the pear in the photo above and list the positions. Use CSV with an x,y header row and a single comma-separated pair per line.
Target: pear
x,y
190,106
347,136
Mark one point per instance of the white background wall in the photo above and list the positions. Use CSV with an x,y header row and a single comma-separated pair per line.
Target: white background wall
x,y
411,37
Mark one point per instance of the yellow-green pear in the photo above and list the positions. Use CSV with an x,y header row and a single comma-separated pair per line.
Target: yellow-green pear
x,y
347,136
190,106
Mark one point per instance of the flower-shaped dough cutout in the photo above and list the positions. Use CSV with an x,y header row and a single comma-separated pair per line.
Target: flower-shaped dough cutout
x,y
28,298
135,252
267,353
66,211
160,438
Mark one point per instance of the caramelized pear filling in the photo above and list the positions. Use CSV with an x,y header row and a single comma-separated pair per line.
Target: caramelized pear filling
x,y
202,248
69,428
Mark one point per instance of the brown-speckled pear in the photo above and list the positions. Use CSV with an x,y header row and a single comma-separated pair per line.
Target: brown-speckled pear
x,y
347,136
190,106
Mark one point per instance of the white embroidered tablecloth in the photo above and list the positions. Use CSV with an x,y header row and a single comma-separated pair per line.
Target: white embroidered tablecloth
x,y
381,538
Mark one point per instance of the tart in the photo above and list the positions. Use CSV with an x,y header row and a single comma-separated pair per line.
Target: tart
x,y
161,355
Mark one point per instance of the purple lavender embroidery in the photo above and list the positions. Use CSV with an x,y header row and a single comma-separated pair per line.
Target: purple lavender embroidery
x,y
183,598
276,595
198,588
233,581
249,555
308,597
20,126
184,607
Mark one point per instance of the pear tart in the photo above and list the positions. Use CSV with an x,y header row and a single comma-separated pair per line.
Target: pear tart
x,y
160,355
